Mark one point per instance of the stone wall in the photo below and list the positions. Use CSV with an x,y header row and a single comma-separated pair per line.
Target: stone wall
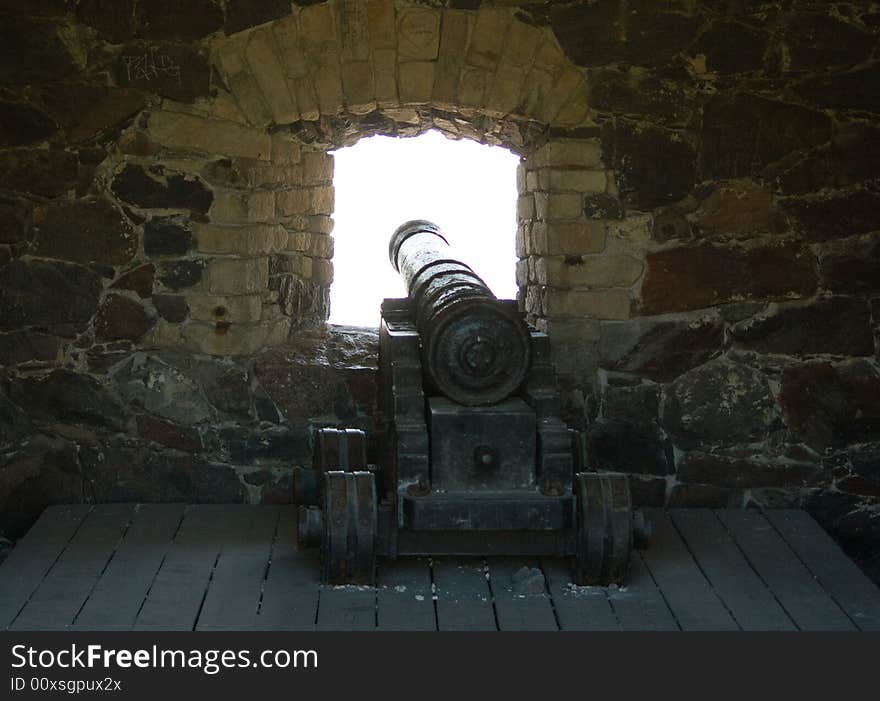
x,y
698,234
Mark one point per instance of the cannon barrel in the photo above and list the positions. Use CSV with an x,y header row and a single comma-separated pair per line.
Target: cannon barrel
x,y
476,349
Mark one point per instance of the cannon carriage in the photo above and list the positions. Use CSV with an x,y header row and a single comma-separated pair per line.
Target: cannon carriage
x,y
472,456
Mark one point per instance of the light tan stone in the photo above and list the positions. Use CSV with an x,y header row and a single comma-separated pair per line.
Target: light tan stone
x,y
549,56
299,241
525,207
231,276
596,304
521,177
415,82
320,224
357,82
576,112
472,86
353,31
265,66
381,23
385,76
504,90
488,38
317,167
253,240
292,202
321,247
586,153
285,149
570,82
290,46
418,37
230,58
303,90
456,27
237,207
521,44
322,199
225,308
322,271
591,271
554,206
235,339
184,131
570,332
576,180
522,272
318,27
222,105
572,238
327,78
536,87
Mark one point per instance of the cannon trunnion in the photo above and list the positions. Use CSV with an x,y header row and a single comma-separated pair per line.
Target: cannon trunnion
x,y
472,457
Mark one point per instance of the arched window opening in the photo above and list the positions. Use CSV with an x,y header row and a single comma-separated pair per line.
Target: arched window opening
x,y
467,188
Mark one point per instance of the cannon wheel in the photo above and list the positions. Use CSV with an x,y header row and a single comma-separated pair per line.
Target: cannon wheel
x,y
604,527
342,449
348,542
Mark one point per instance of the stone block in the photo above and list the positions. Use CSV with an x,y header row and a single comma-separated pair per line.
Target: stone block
x,y
660,348
827,404
317,167
186,131
292,202
577,180
455,34
525,207
852,265
570,238
167,236
588,271
179,274
357,84
224,338
239,308
703,276
585,153
120,317
488,37
238,276
719,403
835,326
289,45
236,207
418,34
170,190
327,79
85,231
58,296
253,240
380,21
265,66
385,77
139,280
415,82
596,304
558,206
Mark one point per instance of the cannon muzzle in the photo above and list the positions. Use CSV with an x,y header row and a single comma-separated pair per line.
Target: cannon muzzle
x,y
476,349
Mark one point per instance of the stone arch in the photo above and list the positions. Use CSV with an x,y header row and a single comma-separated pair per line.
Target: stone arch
x,y
286,92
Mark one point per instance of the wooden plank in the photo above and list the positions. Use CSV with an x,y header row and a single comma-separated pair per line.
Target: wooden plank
x,y
178,590
33,556
639,604
118,595
404,598
857,595
577,608
347,607
61,595
690,596
517,610
237,583
463,596
797,590
290,593
747,598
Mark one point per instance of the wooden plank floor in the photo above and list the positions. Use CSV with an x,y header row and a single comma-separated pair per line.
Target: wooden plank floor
x,y
217,567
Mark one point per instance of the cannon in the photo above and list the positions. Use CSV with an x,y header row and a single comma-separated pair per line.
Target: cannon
x,y
470,453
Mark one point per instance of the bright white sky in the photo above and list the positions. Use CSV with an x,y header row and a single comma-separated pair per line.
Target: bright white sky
x,y
468,189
